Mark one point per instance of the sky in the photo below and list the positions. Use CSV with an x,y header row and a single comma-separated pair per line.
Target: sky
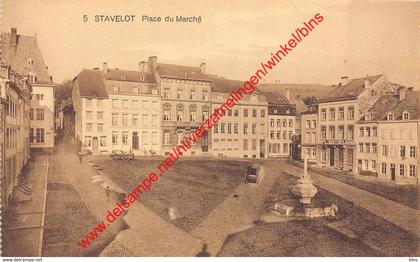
x,y
356,38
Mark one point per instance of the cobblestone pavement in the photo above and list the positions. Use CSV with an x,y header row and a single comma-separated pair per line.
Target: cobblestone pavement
x,y
22,227
405,217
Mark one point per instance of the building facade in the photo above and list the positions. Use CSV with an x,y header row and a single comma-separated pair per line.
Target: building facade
x,y
309,128
242,131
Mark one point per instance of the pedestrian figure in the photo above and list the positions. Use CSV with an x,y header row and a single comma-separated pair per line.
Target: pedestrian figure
x,y
107,193
80,157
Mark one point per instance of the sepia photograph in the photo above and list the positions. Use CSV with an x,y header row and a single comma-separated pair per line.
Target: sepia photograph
x,y
140,129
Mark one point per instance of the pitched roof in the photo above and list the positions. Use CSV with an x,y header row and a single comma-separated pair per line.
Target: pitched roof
x,y
91,83
274,98
180,71
351,90
410,104
17,56
381,107
127,75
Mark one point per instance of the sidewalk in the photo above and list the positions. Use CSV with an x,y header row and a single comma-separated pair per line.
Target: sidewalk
x,y
23,227
405,217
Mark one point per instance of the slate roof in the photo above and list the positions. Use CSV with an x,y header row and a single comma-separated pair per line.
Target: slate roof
x,y
127,75
381,107
180,71
17,56
353,89
91,83
276,99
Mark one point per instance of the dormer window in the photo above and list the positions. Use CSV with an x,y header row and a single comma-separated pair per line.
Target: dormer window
x,y
31,78
154,91
390,116
406,115
123,77
368,117
30,62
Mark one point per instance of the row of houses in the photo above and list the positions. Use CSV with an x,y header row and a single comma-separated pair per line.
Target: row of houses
x,y
149,111
26,107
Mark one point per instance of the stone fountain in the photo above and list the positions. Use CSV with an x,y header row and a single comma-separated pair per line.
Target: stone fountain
x,y
305,187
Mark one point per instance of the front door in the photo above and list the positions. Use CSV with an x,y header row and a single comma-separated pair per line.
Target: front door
x,y
331,156
95,146
205,143
262,148
393,172
135,139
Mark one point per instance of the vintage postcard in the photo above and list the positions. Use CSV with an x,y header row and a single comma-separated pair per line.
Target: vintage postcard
x,y
156,128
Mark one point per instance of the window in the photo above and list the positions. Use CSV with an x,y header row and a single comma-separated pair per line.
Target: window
x,y
115,103
179,94
115,138
222,128
192,94
166,138
89,115
341,132
390,116
100,115
272,122
361,131
135,120
39,114
100,128
245,112
31,115
40,133
402,167
284,123
383,168
290,123
332,132
135,104
272,134
125,138
284,135
205,95
125,103
115,119
166,115
332,114
341,113
193,116
88,140
102,141
154,138
406,115
179,115
245,144
361,148
350,113
254,112
313,123
323,133
374,148
124,119
368,117
254,128
308,137
278,122
368,131
262,113
31,135
236,112
254,144
324,114
235,128
308,123
166,93
350,133
402,151
89,127
230,112
216,128
205,115
229,128
373,165
374,132
278,135
367,148
245,128
412,151
412,170
350,156
290,134
384,150
262,129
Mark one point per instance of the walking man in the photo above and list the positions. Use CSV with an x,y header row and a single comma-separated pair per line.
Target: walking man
x,y
80,157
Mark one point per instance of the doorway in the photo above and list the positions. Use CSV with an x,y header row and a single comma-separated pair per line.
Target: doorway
x,y
332,156
135,139
393,172
262,148
95,145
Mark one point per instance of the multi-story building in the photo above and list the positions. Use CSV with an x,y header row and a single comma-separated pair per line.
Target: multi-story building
x,y
117,110
242,131
14,132
186,103
281,125
309,137
338,114
399,137
24,55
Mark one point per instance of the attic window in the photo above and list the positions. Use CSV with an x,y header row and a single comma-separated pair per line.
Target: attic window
x,y
142,78
30,62
368,117
406,115
390,116
123,77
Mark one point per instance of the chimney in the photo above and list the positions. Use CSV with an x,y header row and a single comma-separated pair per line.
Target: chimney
x,y
367,83
142,65
152,64
13,36
51,79
105,67
344,80
402,91
203,67
288,94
